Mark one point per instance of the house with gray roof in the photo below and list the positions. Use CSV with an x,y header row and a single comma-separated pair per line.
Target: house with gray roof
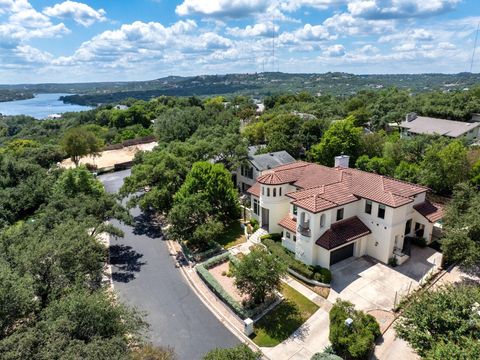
x,y
414,125
255,165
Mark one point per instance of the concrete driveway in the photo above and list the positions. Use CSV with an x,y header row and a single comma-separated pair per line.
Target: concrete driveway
x,y
145,277
369,284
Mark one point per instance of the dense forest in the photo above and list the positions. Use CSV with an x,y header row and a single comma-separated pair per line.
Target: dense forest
x,y
52,301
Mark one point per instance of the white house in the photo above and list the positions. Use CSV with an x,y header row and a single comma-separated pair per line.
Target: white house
x,y
255,165
414,125
328,214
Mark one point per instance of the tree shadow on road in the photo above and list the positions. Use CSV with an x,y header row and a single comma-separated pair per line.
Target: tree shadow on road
x,y
126,262
146,224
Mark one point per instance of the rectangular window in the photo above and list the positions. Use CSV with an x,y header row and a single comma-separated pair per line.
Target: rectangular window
x,y
287,234
263,190
242,170
294,238
339,214
255,207
295,210
280,191
381,211
368,206
250,173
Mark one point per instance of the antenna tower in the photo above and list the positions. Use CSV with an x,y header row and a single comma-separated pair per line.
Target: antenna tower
x,y
474,47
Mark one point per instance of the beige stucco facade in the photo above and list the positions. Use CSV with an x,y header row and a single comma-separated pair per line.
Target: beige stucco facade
x,y
385,241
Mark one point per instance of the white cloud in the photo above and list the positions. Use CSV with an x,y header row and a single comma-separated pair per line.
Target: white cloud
x,y
394,9
227,8
409,46
336,50
81,13
309,33
294,5
261,29
345,24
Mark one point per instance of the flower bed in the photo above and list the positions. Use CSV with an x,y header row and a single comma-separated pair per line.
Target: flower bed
x,y
316,273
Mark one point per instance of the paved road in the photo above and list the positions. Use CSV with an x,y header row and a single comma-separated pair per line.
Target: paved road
x,y
145,276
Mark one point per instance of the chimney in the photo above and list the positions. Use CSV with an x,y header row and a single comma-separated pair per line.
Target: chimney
x,y
342,161
410,117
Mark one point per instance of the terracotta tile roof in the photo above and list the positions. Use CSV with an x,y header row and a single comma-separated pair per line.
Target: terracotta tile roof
x,y
254,189
289,223
324,187
342,232
431,211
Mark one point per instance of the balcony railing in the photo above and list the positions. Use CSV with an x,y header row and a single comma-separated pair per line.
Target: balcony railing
x,y
304,230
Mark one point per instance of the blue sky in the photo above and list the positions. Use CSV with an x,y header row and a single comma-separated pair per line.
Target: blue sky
x,y
115,40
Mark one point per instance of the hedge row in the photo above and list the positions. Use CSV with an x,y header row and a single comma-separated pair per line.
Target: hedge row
x,y
215,286
311,272
277,237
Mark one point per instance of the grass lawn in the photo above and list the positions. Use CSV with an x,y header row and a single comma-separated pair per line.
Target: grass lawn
x,y
233,235
282,321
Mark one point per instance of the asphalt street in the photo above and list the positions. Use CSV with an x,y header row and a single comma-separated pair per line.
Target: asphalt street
x,y
145,277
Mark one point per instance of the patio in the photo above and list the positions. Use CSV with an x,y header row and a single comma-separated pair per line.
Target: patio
x,y
370,284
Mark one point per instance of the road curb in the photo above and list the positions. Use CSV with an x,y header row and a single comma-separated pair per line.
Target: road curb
x,y
212,307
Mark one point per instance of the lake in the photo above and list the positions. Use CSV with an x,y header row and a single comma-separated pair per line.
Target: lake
x,y
40,106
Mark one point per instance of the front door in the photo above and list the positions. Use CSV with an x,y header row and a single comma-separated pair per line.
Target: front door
x,y
265,218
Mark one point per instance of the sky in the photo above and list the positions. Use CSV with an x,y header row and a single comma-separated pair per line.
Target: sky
x,y
124,40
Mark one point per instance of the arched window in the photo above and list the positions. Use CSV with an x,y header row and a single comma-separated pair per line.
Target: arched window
x,y
322,220
274,192
279,191
268,191
263,190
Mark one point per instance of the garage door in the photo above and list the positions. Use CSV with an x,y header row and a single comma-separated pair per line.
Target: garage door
x,y
341,254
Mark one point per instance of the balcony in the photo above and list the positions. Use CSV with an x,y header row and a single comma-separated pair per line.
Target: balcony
x,y
304,230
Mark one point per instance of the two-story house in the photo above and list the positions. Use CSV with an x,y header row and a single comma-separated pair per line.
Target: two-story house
x,y
254,165
328,214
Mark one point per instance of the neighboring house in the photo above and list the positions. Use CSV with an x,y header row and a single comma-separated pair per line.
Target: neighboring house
x,y
328,214
414,125
255,165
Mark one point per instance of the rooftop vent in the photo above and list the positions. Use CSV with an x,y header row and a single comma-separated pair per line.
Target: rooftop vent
x,y
342,161
410,117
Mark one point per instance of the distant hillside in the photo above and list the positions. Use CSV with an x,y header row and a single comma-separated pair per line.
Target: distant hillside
x,y
256,85
11,95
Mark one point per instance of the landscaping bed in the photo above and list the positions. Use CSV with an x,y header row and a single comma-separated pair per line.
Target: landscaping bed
x,y
311,272
230,297
286,318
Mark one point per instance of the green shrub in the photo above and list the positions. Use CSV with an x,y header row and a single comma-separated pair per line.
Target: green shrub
x,y
255,225
392,261
419,241
239,352
354,341
310,272
277,237
325,356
